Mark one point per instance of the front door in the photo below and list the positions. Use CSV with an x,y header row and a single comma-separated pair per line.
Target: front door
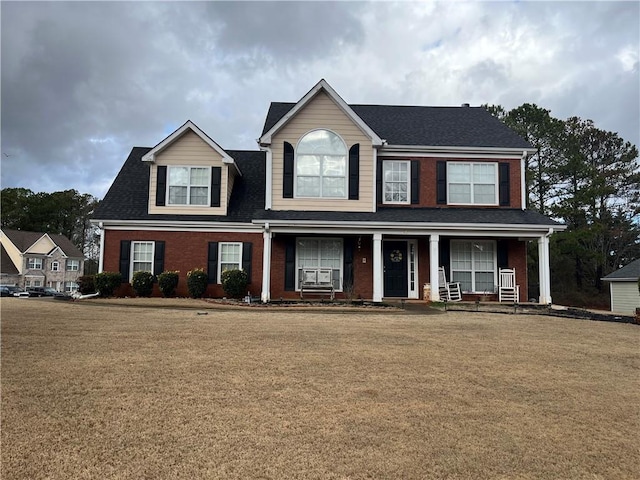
x,y
395,269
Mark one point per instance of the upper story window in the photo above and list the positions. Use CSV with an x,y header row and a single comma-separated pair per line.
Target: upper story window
x,y
321,165
141,257
472,183
73,265
34,263
55,266
396,176
189,185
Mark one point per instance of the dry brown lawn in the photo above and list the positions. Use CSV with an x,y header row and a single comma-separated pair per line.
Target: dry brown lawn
x,y
97,390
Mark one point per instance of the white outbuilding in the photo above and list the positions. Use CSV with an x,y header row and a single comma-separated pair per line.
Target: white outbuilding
x,y
623,286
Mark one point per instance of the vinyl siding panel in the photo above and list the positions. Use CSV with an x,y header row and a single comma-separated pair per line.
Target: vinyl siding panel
x,y
190,150
43,246
321,112
625,297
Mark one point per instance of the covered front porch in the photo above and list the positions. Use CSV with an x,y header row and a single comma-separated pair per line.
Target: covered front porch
x,y
381,264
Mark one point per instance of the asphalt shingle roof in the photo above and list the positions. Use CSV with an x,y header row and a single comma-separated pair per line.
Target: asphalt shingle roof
x,y
128,197
629,271
430,126
6,264
23,239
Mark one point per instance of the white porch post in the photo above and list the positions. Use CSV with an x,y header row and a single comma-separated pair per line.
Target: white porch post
x,y
266,266
377,267
544,270
101,259
434,263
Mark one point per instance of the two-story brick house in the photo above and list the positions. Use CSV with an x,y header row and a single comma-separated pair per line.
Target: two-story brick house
x,y
379,195
36,259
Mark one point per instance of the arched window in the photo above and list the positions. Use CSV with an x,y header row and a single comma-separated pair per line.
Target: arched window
x,y
321,165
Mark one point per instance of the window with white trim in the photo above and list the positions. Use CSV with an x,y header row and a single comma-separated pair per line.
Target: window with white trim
x,y
141,257
396,177
34,263
70,287
320,253
473,264
472,183
321,165
55,266
189,185
230,257
73,265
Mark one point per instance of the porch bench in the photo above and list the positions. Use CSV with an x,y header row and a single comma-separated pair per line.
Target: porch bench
x,y
317,281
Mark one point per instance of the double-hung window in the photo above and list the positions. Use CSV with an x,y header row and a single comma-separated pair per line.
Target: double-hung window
x,y
321,165
396,175
73,265
55,266
325,253
189,185
473,264
141,257
34,263
472,183
230,257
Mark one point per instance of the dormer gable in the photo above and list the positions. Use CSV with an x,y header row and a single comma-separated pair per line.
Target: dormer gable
x,y
321,87
190,174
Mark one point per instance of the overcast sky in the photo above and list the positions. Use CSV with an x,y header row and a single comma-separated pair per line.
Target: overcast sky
x,y
84,82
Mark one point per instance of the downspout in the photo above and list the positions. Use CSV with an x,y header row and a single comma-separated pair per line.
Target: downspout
x,y
101,257
523,181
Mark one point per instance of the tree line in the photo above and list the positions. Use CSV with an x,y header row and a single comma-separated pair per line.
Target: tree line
x,y
589,179
65,213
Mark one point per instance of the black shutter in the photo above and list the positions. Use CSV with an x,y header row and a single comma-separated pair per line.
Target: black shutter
x,y
445,255
161,186
441,182
246,258
290,265
348,264
415,181
158,258
354,172
287,174
216,186
379,182
212,262
502,253
125,251
504,184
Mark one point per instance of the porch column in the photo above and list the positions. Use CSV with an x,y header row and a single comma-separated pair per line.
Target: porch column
x,y
434,263
266,266
377,267
544,270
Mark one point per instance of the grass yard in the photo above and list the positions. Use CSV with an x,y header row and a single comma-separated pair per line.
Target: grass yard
x,y
96,390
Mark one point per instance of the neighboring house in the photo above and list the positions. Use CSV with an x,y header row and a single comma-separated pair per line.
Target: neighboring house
x,y
623,286
379,195
36,259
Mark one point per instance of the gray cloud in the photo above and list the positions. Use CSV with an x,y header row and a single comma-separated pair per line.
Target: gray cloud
x,y
83,82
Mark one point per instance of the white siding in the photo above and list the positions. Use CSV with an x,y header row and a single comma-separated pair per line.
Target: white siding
x,y
189,150
42,246
624,297
322,112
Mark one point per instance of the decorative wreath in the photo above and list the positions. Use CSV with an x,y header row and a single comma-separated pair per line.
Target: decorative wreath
x,y
396,256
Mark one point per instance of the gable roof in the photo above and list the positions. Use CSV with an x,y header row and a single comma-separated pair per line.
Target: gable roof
x,y
630,272
426,126
23,240
321,86
128,197
188,126
6,263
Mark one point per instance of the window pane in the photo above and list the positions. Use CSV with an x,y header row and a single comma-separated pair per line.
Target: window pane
x,y
484,282
308,165
200,176
459,193
484,194
465,280
333,187
178,176
321,141
459,172
178,195
484,173
199,195
308,186
333,166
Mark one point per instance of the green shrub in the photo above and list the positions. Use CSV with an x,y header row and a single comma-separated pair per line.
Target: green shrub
x,y
234,283
107,282
86,284
142,283
167,283
197,282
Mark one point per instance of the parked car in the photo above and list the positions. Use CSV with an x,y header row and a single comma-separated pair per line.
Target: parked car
x,y
44,292
12,291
